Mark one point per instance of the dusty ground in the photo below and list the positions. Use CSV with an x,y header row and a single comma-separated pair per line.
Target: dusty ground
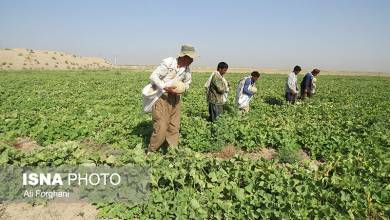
x,y
25,144
230,151
20,58
257,154
50,211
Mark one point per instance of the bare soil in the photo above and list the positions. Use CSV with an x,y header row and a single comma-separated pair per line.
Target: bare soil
x,y
50,211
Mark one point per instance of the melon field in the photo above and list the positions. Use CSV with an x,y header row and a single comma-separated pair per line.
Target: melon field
x,y
325,158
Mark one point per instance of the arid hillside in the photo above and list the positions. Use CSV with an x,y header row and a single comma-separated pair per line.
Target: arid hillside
x,y
20,58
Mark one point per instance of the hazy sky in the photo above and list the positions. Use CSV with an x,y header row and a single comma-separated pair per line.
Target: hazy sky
x,y
332,34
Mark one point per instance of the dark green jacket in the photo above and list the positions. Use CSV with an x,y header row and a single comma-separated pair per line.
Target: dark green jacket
x,y
216,90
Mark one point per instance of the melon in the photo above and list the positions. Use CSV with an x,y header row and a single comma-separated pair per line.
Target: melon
x,y
253,89
180,86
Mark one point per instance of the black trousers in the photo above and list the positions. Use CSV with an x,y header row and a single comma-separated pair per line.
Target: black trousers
x,y
290,97
214,111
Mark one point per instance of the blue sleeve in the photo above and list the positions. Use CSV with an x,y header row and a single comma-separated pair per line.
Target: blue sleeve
x,y
307,82
310,82
246,87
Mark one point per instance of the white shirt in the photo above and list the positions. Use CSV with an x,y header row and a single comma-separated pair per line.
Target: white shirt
x,y
167,71
291,84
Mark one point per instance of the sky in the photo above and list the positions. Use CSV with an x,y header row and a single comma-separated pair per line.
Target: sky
x,y
332,34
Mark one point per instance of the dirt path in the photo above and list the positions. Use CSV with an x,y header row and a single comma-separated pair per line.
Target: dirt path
x,y
52,211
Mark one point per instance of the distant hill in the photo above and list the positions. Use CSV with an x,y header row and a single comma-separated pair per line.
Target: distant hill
x,y
20,58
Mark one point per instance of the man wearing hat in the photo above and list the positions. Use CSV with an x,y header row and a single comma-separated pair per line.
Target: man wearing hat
x,y
166,110
307,84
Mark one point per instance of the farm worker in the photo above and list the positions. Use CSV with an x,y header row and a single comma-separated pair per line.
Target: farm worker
x,y
245,91
291,85
308,84
217,89
166,110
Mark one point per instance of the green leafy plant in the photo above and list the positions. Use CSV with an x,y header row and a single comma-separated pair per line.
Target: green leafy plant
x,y
345,131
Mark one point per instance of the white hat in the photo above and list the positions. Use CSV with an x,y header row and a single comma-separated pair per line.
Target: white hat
x,y
187,50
